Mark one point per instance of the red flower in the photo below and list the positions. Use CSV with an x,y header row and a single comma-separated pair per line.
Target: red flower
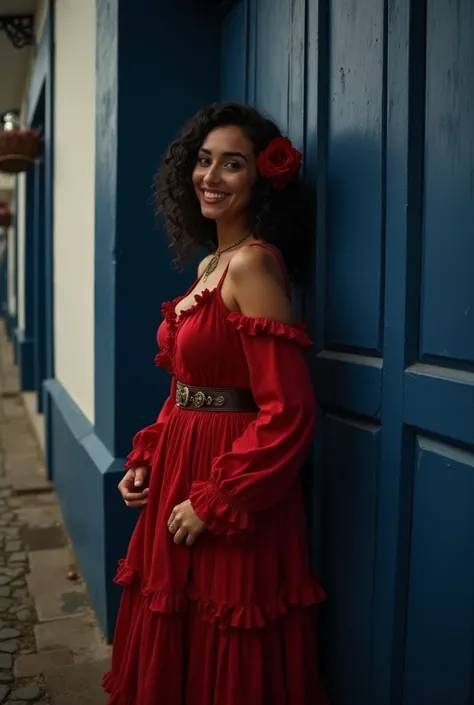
x,y
280,162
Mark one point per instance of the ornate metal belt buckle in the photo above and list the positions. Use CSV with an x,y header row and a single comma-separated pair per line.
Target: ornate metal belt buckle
x,y
182,396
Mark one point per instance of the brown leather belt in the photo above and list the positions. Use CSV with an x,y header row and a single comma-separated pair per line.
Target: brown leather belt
x,y
212,399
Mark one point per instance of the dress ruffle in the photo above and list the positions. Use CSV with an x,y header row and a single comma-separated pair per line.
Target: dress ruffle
x,y
138,458
205,297
145,443
227,615
215,511
164,359
110,686
266,326
125,575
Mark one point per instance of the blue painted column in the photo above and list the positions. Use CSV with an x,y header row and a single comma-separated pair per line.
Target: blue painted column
x,y
148,84
40,330
24,337
8,273
49,199
4,275
15,268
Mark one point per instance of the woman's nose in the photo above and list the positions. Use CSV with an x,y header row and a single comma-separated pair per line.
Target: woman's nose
x,y
212,176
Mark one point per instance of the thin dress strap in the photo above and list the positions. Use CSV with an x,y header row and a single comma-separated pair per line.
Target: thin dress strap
x,y
224,274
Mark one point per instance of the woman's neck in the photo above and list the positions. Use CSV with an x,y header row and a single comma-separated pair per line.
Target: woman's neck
x,y
229,234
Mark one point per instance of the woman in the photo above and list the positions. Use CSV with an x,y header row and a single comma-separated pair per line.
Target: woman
x,y
218,591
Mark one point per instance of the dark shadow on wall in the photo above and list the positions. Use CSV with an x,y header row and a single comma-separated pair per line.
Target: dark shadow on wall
x,y
346,305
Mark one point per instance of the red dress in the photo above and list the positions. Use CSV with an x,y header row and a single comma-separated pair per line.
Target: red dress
x,y
228,621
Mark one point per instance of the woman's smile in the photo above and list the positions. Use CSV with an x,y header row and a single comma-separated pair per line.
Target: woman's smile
x,y
212,197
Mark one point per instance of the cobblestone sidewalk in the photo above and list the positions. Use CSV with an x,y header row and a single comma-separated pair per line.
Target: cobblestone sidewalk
x,y
17,613
52,650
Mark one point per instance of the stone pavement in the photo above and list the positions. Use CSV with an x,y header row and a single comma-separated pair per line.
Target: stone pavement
x,y
51,647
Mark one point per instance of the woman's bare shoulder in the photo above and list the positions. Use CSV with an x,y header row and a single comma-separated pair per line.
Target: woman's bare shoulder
x,y
258,284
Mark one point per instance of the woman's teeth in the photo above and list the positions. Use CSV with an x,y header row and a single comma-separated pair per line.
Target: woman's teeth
x,y
215,196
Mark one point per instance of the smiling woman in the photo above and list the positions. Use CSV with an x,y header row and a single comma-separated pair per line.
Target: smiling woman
x,y
218,588
218,150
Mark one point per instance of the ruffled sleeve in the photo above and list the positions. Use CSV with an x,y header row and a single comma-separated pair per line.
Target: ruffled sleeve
x,y
146,440
265,462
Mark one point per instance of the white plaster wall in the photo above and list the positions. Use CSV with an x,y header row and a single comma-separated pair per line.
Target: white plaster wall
x,y
74,199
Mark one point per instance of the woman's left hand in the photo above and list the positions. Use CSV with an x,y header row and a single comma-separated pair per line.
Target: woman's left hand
x,y
185,523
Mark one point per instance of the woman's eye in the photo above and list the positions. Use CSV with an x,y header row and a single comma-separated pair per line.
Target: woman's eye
x,y
232,165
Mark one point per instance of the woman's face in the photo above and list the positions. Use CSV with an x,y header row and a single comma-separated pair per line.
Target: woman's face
x,y
224,174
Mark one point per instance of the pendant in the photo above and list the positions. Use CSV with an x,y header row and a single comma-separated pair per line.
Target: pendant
x,y
211,266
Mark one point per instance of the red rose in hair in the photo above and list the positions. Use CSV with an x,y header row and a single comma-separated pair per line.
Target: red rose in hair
x,y
279,163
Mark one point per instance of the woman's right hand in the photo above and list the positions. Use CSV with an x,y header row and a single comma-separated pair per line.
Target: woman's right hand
x,y
132,487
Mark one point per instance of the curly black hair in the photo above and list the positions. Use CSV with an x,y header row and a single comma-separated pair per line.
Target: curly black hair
x,y
279,217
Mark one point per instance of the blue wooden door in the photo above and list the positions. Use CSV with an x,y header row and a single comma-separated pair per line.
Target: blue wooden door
x,y
380,96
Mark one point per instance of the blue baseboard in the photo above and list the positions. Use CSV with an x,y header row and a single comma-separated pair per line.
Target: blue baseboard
x,y
85,477
24,357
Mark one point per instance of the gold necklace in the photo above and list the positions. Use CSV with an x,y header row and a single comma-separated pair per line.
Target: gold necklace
x,y
215,260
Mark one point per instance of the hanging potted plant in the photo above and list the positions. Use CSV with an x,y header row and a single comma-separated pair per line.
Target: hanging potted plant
x,y
19,148
6,217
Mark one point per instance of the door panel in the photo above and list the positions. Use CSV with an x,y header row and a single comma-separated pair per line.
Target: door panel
x,y
440,645
354,293
447,314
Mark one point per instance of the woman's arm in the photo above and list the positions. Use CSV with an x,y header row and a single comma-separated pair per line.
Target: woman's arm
x,y
265,461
